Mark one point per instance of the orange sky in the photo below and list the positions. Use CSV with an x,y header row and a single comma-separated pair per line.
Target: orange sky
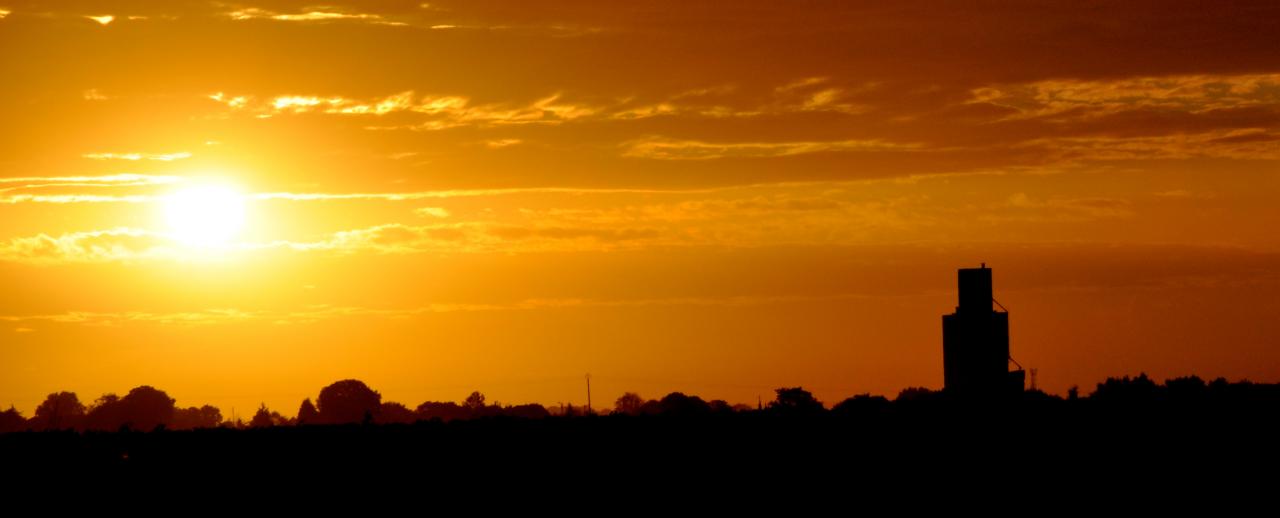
x,y
720,198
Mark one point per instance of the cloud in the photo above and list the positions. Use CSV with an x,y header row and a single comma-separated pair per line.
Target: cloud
x,y
801,83
814,94
113,245
437,112
162,157
697,210
40,182
389,238
113,319
76,198
316,15
473,237
338,105
1078,99
721,222
433,112
662,148
234,103
1245,144
435,212
463,193
605,235
1025,208
291,196
501,143
323,312
113,179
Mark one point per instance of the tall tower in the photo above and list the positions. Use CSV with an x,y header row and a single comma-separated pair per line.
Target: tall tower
x,y
975,342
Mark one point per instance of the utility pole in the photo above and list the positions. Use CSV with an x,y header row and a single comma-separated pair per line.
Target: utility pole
x,y
588,393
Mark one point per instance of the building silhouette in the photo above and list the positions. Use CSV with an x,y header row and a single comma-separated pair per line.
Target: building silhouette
x,y
975,343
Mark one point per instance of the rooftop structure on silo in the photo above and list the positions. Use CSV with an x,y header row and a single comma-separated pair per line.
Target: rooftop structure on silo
x,y
975,342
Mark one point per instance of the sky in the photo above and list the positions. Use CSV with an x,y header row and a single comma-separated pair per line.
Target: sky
x,y
242,202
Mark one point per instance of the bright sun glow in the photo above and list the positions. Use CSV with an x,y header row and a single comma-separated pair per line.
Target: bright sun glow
x,y
206,215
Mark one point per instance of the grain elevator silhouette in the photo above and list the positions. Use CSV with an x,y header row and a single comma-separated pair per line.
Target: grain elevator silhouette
x,y
975,343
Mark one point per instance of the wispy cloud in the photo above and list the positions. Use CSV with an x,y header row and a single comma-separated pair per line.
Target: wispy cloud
x,y
1075,99
316,14
813,94
124,180
40,182
77,198
501,143
1247,143
436,112
162,157
97,246
826,213
1022,207
464,193
449,111
112,179
324,312
435,212
663,148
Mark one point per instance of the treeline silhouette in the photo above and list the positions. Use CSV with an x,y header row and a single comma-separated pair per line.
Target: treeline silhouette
x,y
350,401
1127,428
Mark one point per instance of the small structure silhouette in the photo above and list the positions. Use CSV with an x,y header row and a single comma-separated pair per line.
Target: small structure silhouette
x,y
975,343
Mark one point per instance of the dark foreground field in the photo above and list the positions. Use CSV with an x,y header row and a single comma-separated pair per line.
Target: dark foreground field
x,y
747,449
1130,441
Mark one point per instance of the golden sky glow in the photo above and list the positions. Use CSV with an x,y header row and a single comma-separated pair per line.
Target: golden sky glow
x,y
241,202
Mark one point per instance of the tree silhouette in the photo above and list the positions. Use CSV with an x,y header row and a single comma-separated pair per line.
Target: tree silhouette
x,y
105,413
1187,390
529,411
145,408
207,416
392,412
1127,390
348,401
628,403
11,420
680,404
307,413
474,402
862,405
262,418
915,394
444,411
59,411
795,400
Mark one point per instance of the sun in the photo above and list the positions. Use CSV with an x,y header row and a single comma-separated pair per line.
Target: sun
x,y
205,215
